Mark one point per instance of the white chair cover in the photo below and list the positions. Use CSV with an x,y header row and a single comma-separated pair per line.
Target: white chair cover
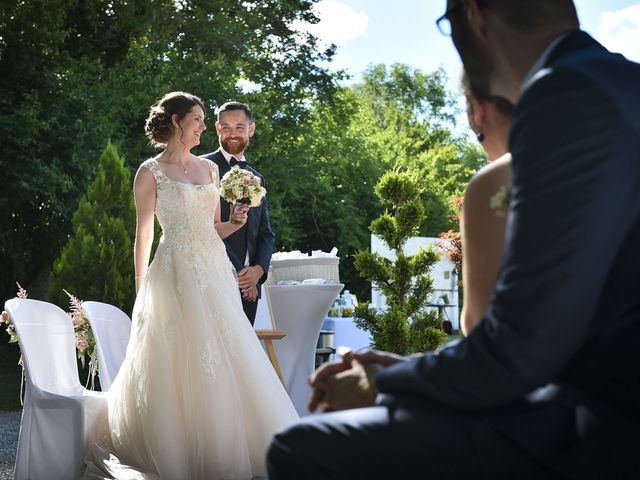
x,y
111,328
59,415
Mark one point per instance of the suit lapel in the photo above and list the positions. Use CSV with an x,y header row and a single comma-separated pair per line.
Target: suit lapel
x,y
220,161
254,212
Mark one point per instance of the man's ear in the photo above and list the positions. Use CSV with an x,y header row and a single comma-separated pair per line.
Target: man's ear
x,y
218,127
476,17
252,128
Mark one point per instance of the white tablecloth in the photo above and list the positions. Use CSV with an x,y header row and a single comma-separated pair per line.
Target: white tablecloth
x,y
300,310
347,334
263,318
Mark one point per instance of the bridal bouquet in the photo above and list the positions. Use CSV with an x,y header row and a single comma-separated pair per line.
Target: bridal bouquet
x,y
241,186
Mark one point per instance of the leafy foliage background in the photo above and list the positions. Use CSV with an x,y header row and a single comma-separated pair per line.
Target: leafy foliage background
x,y
78,74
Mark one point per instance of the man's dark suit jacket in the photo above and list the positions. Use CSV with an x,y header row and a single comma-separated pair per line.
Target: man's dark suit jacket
x,y
256,236
566,310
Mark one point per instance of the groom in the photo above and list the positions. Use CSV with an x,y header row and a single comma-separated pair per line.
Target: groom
x,y
548,384
249,248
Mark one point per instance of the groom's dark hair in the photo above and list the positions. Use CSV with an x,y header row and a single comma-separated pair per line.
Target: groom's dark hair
x,y
534,15
230,106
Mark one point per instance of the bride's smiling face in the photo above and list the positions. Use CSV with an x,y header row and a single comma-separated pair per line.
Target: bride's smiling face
x,y
189,129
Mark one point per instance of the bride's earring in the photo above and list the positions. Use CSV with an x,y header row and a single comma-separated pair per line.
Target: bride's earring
x,y
480,137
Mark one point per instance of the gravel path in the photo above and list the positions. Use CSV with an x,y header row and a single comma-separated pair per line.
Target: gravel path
x,y
9,427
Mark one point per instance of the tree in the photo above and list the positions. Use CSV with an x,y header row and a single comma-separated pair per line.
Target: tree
x,y
404,327
87,71
97,261
393,116
329,201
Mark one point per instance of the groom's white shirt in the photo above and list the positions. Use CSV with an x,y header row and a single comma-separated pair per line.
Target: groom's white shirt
x,y
227,156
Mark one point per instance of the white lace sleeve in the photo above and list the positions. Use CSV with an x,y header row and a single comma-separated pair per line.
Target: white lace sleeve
x,y
153,167
215,175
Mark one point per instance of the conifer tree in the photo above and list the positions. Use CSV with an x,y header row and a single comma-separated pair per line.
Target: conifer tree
x,y
405,326
97,261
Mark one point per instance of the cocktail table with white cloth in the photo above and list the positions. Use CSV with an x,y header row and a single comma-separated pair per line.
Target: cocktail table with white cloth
x,y
298,305
300,310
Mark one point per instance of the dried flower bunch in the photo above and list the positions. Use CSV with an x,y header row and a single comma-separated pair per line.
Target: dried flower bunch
x,y
85,341
6,318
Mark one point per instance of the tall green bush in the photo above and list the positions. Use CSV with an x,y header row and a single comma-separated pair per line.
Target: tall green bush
x,y
97,261
405,327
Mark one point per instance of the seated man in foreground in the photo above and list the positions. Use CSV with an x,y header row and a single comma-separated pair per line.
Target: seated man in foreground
x,y
548,384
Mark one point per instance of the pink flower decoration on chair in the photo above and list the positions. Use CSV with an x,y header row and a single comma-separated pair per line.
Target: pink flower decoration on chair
x,y
82,345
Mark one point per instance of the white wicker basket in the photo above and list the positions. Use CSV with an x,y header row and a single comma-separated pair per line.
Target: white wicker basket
x,y
300,269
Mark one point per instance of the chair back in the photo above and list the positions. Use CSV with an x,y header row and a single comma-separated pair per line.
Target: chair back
x,y
111,329
47,342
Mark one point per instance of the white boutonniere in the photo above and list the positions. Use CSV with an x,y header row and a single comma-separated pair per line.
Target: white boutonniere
x,y
500,200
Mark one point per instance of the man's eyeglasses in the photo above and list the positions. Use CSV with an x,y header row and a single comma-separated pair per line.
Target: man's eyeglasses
x,y
444,23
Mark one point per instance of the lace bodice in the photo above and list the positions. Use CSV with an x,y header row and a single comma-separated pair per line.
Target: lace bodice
x,y
186,211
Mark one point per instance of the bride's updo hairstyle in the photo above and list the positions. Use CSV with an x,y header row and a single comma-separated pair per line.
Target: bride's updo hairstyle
x,y
158,126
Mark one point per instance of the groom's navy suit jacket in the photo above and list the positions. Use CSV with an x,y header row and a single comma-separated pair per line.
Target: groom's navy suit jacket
x,y
255,237
566,310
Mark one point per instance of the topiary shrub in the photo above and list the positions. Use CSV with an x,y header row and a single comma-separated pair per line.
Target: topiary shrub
x,y
97,261
405,326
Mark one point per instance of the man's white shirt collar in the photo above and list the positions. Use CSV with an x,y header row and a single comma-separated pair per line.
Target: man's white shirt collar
x,y
227,156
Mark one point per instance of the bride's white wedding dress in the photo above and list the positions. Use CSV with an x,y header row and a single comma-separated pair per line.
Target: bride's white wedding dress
x,y
196,396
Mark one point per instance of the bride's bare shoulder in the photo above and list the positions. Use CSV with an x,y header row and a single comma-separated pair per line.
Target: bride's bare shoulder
x,y
147,173
489,179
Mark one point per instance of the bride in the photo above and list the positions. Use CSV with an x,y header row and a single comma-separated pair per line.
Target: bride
x,y
196,397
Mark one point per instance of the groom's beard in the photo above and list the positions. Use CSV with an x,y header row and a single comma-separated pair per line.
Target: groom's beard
x,y
234,148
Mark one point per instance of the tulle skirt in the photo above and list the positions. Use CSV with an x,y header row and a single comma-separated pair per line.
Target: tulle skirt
x,y
196,396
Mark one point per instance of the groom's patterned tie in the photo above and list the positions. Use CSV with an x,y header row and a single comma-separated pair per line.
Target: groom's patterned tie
x,y
234,161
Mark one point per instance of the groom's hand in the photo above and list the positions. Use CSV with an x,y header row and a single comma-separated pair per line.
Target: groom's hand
x,y
250,295
248,279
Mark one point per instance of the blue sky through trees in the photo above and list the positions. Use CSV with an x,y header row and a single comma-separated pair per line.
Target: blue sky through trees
x,y
379,31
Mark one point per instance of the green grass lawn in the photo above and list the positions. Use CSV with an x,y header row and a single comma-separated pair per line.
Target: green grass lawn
x,y
10,373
